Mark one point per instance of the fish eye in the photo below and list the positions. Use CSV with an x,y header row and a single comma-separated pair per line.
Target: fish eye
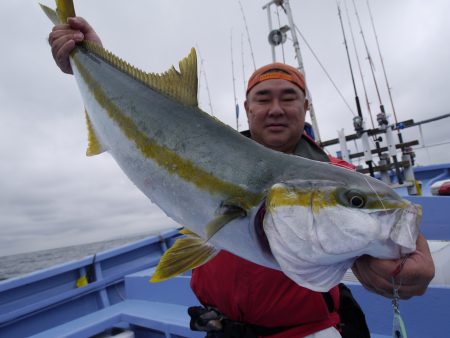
x,y
355,199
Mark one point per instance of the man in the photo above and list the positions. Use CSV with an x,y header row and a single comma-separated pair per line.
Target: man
x,y
252,297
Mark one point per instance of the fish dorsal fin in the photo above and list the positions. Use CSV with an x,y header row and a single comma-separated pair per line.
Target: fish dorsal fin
x,y
185,254
95,147
179,85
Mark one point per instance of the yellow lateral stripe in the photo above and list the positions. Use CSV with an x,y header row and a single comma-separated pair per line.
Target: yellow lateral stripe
x,y
164,157
281,196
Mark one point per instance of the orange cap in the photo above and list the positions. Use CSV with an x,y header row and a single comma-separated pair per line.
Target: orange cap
x,y
277,71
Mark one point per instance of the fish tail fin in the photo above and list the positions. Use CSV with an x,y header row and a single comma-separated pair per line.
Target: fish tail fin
x,y
51,14
186,253
64,10
95,147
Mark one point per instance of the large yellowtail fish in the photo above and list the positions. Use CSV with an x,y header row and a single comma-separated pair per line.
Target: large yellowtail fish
x,y
209,178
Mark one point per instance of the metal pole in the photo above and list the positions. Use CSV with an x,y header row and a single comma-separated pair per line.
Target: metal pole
x,y
269,18
298,55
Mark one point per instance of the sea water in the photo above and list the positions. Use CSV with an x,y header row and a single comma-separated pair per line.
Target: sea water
x,y
21,264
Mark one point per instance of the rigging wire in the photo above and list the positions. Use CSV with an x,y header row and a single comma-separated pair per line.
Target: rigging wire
x,y
325,71
248,35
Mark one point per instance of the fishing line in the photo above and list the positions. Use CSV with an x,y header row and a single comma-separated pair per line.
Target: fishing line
x,y
376,194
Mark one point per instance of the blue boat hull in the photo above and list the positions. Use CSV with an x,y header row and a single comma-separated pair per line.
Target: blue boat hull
x,y
48,303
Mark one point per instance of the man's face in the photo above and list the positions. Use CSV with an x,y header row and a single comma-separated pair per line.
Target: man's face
x,y
276,114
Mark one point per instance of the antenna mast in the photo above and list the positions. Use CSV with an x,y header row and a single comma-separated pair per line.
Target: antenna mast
x,y
287,9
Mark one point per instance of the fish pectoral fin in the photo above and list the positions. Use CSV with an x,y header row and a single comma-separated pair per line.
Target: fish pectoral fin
x,y
95,147
186,253
226,214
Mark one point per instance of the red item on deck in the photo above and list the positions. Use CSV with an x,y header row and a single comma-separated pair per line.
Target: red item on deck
x,y
445,189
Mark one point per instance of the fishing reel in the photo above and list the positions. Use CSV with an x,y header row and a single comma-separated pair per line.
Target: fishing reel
x,y
358,124
382,121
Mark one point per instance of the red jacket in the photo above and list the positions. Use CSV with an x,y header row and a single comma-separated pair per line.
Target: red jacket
x,y
250,293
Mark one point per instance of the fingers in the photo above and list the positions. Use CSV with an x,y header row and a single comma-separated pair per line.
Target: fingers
x,y
415,274
63,39
80,24
366,270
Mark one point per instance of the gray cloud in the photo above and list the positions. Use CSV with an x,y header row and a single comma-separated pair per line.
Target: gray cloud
x,y
52,195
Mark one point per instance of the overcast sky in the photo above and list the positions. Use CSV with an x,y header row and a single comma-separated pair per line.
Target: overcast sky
x,y
51,195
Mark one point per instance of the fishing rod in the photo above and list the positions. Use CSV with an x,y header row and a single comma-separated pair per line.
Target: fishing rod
x,y
243,61
358,121
203,70
400,138
381,117
369,110
382,61
248,35
236,105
